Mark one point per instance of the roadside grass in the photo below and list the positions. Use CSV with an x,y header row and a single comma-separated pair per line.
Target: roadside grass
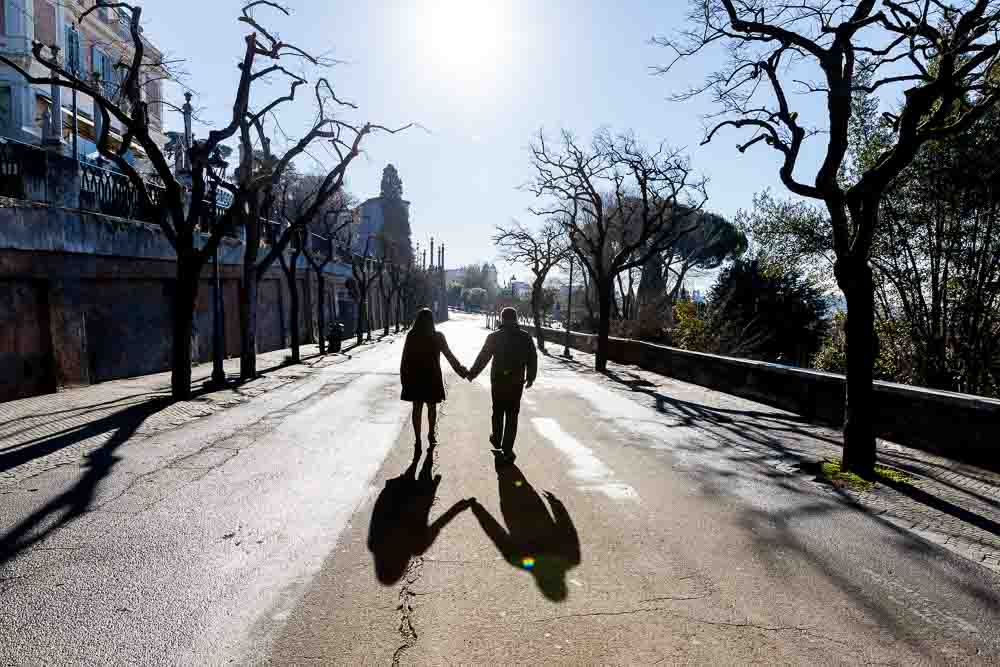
x,y
831,472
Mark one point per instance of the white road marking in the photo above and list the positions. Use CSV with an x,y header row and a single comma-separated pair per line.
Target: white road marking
x,y
587,468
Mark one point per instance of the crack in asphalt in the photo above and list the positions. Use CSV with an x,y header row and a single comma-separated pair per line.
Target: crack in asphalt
x,y
676,597
406,628
809,632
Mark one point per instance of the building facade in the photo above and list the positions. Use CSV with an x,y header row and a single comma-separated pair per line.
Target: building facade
x,y
521,289
371,220
92,49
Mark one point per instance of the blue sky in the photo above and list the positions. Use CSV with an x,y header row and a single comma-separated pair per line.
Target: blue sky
x,y
482,76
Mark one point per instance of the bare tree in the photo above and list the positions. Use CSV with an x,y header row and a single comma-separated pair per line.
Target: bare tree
x,y
388,269
289,266
619,203
323,250
261,187
942,57
177,210
540,251
360,284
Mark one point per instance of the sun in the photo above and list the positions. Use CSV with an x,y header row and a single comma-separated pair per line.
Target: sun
x,y
464,39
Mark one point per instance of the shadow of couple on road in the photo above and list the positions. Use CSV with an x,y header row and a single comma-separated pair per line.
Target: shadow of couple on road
x,y
540,538
399,528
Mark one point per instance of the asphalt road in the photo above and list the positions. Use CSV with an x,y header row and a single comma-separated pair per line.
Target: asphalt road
x,y
299,528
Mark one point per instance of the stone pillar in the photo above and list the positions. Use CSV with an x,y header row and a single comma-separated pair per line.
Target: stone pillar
x,y
98,116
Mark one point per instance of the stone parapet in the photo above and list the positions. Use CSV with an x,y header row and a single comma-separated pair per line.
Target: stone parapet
x,y
958,426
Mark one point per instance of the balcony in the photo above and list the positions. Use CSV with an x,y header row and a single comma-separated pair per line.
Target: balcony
x,y
33,174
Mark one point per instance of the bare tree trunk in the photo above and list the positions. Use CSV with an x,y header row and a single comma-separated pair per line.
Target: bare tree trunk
x,y
359,329
321,308
605,296
855,279
248,298
308,310
399,310
536,311
289,269
368,316
185,294
386,305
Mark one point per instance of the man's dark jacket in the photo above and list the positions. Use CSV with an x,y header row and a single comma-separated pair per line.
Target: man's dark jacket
x,y
514,361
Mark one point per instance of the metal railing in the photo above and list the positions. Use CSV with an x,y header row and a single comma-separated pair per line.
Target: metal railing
x,y
113,193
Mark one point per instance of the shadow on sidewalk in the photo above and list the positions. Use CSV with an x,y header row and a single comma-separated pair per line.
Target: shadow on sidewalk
x,y
540,539
769,429
399,528
74,502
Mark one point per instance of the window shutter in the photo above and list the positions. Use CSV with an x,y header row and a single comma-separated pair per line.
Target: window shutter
x,y
73,51
96,63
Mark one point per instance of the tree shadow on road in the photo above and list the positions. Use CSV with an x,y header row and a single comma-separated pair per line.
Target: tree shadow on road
x,y
777,433
776,445
75,501
540,539
399,528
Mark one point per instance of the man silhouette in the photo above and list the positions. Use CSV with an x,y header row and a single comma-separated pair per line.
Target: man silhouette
x,y
515,365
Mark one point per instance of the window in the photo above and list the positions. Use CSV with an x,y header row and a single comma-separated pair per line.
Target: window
x,y
42,104
6,107
73,60
45,23
102,69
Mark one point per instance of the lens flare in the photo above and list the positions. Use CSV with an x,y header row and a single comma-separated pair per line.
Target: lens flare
x,y
528,563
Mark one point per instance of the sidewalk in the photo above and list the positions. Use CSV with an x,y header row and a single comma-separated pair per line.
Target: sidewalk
x,y
946,502
44,432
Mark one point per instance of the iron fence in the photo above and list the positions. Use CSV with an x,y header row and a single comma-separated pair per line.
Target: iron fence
x,y
113,193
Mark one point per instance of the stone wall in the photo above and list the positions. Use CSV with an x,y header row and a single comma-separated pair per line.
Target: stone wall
x,y
959,426
87,298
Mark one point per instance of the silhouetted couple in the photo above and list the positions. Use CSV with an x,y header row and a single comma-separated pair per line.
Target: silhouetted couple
x,y
515,365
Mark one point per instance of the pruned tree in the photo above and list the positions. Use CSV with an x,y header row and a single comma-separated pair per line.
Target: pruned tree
x,y
289,266
261,183
178,209
619,203
386,290
323,250
540,251
940,56
362,277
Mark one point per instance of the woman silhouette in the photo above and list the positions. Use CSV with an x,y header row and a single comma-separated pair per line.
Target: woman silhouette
x,y
420,372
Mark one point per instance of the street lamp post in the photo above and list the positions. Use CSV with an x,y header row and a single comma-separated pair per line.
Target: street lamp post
x,y
569,311
218,313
